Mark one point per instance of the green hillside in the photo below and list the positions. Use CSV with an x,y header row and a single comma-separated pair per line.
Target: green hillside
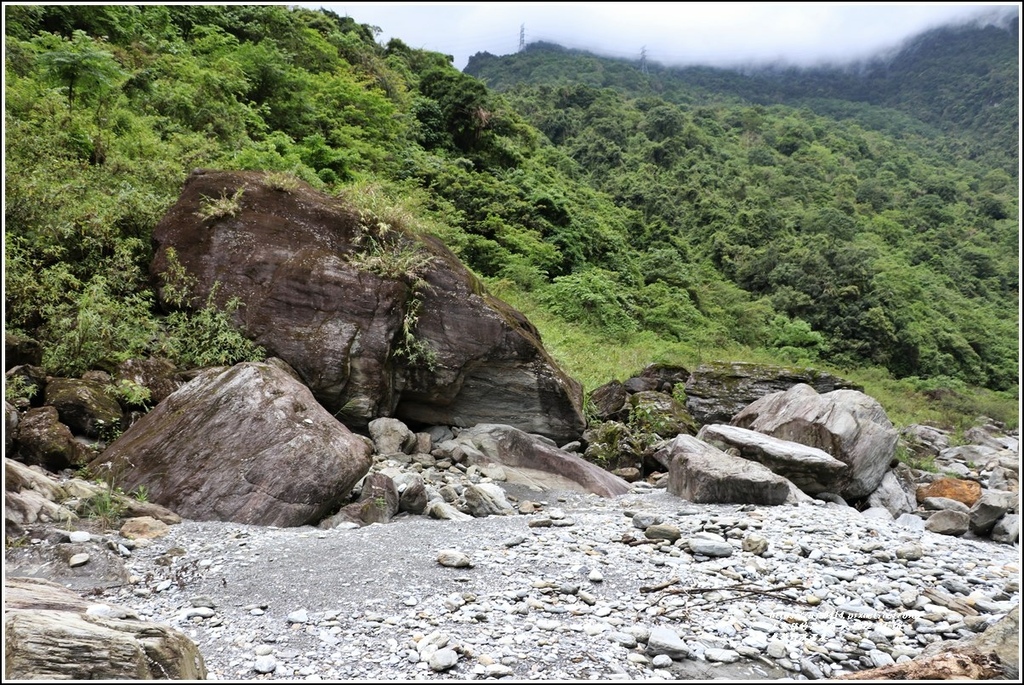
x,y
629,227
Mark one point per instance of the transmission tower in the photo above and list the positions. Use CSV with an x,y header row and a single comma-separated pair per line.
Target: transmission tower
x,y
522,37
643,60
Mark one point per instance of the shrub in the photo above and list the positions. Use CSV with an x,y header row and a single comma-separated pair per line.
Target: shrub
x,y
222,207
207,337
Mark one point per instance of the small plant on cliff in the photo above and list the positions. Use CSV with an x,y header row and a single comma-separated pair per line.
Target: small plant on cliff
x,y
178,283
280,180
390,254
386,252
415,350
222,207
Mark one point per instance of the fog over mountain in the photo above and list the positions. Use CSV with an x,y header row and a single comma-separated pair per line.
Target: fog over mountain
x,y
713,34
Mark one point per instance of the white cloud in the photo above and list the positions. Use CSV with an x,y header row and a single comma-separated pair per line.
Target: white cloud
x,y
672,32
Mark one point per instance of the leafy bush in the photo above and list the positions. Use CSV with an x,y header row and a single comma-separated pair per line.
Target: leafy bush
x,y
594,297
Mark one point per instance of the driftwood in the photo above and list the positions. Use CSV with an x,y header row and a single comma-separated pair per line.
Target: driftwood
x,y
743,590
962,664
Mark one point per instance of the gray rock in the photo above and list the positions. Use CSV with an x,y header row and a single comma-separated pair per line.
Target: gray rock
x,y
941,503
910,552
662,531
724,656
265,664
643,521
992,505
878,513
809,468
849,425
625,639
443,659
442,510
896,492
453,558
910,522
1007,529
709,548
665,641
391,435
487,499
755,544
699,472
947,522
529,460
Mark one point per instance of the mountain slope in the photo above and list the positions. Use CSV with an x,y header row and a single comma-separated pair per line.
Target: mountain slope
x,y
960,81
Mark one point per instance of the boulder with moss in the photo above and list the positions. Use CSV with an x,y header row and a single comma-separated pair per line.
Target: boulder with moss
x,y
376,320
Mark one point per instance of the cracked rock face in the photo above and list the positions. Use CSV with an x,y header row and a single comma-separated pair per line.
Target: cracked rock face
x,y
375,322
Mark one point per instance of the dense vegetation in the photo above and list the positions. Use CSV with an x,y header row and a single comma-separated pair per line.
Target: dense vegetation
x,y
629,227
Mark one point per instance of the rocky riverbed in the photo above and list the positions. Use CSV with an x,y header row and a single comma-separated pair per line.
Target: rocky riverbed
x,y
640,586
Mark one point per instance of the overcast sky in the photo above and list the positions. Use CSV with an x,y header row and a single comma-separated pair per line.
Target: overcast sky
x,y
723,33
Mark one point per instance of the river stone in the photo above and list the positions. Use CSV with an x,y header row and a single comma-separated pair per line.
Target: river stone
x,y
948,522
665,641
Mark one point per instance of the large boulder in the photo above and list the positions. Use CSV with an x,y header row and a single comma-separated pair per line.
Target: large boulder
x,y
699,472
965,491
52,634
809,468
375,321
848,424
20,349
247,444
533,461
717,391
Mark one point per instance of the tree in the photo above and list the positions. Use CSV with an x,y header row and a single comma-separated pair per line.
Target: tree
x,y
79,64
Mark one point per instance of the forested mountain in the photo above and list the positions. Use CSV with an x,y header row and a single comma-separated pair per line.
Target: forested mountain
x,y
958,81
680,224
